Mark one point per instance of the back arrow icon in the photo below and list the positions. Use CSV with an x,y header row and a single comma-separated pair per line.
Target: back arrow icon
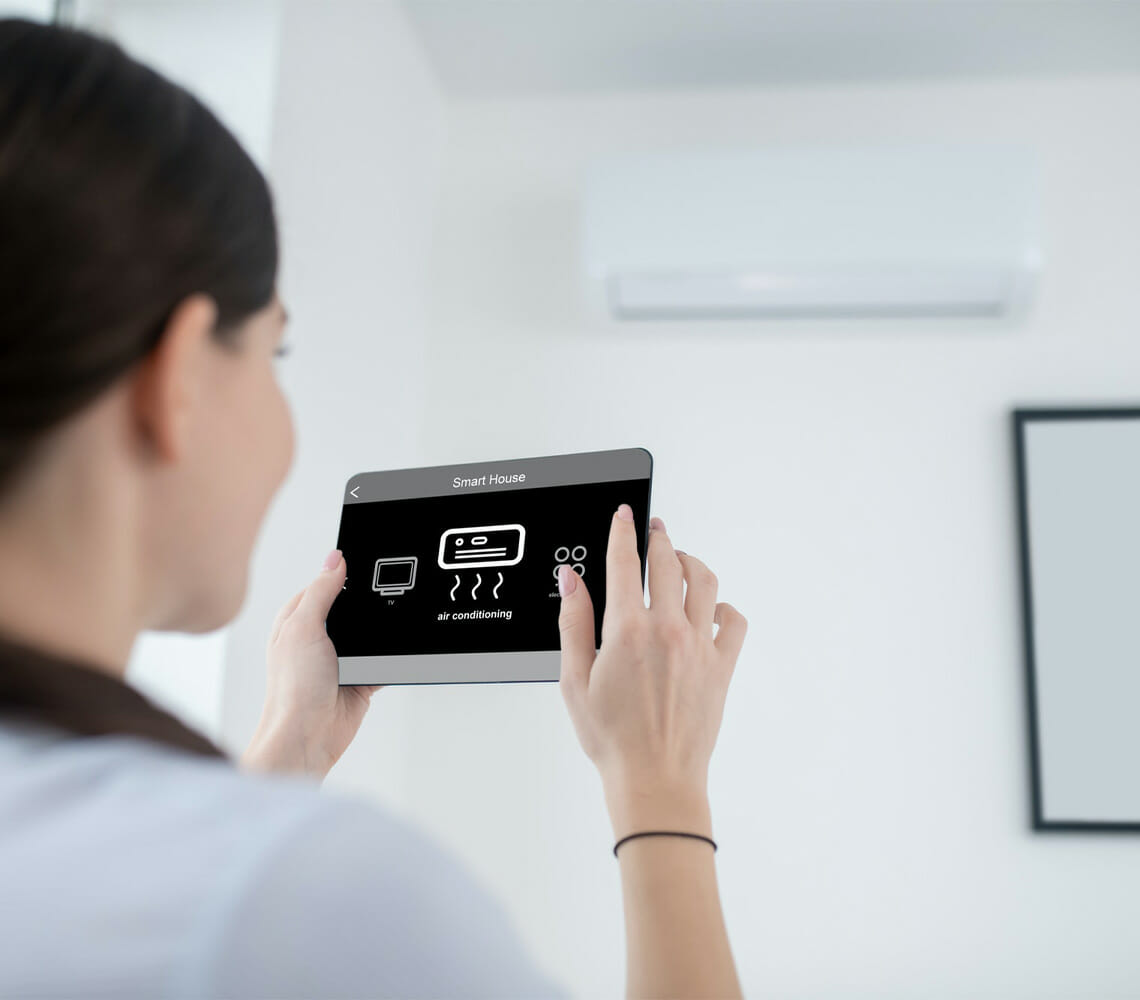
x,y
352,492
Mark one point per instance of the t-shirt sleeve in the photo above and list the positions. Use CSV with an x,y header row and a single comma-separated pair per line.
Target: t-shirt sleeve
x,y
350,902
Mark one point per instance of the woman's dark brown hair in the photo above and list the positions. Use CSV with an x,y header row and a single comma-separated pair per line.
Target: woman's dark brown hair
x,y
120,195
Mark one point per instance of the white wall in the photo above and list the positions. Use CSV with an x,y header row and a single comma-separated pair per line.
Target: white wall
x,y
851,483
36,10
224,51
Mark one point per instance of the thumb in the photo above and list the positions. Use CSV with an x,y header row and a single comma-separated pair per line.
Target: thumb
x,y
318,596
576,632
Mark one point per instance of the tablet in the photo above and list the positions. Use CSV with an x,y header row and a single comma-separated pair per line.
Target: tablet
x,y
452,570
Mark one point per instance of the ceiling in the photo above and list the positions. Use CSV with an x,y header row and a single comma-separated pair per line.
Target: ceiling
x,y
485,48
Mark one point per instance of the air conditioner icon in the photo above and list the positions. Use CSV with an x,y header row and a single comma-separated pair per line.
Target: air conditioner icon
x,y
483,546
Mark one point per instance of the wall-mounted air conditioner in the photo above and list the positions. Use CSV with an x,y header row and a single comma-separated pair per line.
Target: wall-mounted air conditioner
x,y
811,232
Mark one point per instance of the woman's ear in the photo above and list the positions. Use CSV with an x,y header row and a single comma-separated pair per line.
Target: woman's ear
x,y
171,380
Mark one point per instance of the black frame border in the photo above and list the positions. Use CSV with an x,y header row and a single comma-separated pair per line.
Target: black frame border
x,y
1021,417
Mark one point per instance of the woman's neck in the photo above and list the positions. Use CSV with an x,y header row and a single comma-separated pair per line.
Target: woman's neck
x,y
68,563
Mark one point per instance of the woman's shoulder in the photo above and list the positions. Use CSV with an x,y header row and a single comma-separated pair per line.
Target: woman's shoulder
x,y
127,797
140,781
154,815
247,884
261,884
142,846
126,802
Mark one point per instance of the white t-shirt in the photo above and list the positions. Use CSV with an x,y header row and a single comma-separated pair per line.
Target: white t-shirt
x,y
132,869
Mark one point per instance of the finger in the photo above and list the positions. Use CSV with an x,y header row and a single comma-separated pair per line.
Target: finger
x,y
700,590
576,633
730,636
623,565
318,596
284,613
666,580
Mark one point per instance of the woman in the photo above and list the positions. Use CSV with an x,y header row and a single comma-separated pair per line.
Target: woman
x,y
142,435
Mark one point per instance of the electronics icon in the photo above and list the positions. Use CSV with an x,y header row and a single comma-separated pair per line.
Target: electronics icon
x,y
576,556
482,547
394,574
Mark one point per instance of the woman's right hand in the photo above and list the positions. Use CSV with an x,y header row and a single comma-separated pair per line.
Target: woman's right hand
x,y
647,706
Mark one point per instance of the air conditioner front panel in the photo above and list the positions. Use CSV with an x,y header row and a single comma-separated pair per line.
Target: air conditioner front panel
x,y
888,231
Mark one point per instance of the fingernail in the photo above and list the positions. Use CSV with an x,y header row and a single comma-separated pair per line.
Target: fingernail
x,y
679,552
656,522
625,512
332,559
567,582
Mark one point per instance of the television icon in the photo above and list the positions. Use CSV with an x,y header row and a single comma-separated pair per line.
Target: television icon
x,y
484,546
394,574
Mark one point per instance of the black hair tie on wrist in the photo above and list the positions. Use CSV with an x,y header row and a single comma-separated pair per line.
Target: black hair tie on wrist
x,y
664,833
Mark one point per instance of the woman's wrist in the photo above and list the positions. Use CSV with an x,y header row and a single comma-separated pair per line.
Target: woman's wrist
x,y
279,749
639,802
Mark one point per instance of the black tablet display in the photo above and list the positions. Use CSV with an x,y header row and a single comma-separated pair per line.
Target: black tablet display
x,y
452,570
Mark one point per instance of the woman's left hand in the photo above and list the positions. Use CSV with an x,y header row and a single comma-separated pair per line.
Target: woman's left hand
x,y
308,720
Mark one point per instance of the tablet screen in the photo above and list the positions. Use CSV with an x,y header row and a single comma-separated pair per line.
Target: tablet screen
x,y
452,571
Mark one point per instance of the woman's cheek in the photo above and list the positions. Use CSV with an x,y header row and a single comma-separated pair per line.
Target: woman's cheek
x,y
285,433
